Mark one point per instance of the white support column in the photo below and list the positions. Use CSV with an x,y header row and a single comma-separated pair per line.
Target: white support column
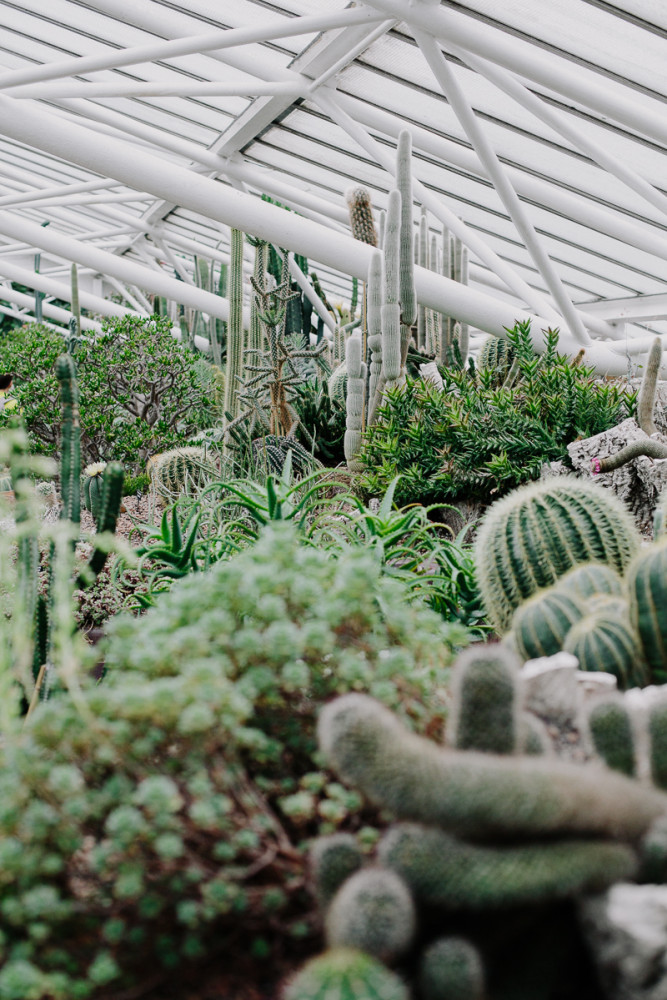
x,y
513,88
559,75
466,116
215,40
437,207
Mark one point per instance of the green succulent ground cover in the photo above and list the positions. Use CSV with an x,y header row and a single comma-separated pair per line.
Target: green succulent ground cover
x,y
162,813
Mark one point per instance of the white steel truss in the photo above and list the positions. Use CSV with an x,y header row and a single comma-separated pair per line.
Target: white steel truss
x,y
141,150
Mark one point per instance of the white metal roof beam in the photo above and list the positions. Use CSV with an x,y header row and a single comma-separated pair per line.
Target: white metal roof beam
x,y
56,191
638,307
435,205
217,40
466,116
514,89
253,88
138,169
563,77
574,206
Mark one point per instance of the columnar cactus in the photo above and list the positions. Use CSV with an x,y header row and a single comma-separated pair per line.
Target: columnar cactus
x,y
452,968
235,333
373,911
535,534
361,215
423,261
444,871
657,727
110,500
646,580
256,330
484,713
92,488
374,327
345,974
611,730
477,794
356,382
455,267
541,624
70,455
648,388
391,309
407,292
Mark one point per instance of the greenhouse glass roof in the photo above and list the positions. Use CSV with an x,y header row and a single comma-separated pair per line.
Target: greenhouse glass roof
x,y
134,133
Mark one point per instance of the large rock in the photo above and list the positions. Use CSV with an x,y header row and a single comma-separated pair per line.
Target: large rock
x,y
551,690
638,483
626,929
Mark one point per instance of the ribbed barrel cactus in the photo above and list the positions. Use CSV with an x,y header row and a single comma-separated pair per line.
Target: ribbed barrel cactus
x,y
535,534
647,586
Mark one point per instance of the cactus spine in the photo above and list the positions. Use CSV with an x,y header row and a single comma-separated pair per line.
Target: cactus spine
x,y
373,911
541,624
610,727
648,389
484,715
444,871
345,974
451,968
538,532
70,460
356,380
235,335
646,586
475,794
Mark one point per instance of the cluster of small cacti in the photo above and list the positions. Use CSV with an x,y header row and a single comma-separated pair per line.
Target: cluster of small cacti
x,y
560,566
485,838
173,471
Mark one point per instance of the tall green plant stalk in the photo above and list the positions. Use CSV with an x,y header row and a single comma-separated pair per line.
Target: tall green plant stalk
x,y
235,335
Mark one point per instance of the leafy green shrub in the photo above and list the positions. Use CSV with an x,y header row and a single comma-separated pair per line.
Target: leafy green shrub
x,y
140,391
474,440
159,813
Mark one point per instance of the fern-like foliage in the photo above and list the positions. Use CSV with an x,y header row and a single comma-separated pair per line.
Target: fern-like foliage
x,y
477,440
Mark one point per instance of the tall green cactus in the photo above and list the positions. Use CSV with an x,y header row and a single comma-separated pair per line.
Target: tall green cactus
x,y
70,454
647,581
423,259
539,531
92,488
474,794
485,706
345,974
235,333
